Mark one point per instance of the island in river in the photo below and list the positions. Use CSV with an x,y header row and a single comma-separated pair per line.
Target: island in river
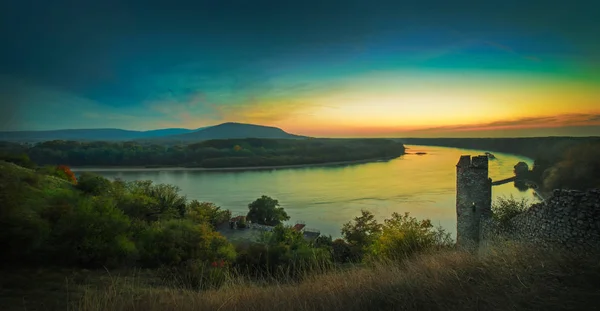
x,y
211,154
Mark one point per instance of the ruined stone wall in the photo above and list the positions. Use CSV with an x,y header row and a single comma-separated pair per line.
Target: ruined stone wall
x,y
569,219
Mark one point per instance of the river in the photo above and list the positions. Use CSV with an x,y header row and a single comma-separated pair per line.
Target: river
x,y
327,197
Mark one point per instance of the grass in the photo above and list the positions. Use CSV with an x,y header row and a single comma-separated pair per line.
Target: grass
x,y
507,277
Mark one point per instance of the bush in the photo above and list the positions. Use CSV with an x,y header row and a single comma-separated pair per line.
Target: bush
x,y
168,203
361,233
207,212
91,232
60,171
403,236
174,242
504,209
18,159
342,252
93,184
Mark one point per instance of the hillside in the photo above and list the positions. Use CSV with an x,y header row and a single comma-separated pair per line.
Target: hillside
x,y
114,245
232,130
88,134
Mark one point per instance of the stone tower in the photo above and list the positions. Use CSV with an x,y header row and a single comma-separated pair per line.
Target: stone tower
x,y
473,198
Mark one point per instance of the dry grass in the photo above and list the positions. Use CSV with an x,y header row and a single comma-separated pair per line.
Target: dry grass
x,y
515,278
507,277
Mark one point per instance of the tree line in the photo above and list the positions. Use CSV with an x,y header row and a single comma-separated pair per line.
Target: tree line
x,y
210,154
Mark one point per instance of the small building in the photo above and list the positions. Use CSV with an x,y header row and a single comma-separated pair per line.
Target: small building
x,y
298,227
311,234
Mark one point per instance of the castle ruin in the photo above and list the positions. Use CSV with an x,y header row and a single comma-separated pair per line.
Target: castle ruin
x,y
473,199
568,219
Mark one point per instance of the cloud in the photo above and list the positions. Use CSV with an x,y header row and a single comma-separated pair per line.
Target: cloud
x,y
565,120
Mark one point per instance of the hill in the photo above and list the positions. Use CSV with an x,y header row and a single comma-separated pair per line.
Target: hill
x,y
233,130
227,130
88,134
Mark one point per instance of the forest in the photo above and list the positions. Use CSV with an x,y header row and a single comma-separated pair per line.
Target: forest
x,y
221,153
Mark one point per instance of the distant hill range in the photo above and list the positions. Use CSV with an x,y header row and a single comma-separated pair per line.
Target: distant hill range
x,y
235,130
221,131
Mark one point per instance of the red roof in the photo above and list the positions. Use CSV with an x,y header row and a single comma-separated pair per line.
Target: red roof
x,y
298,227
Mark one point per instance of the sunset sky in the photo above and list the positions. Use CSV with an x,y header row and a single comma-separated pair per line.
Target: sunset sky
x,y
319,68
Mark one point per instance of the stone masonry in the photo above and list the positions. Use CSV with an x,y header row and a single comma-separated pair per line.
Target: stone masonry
x,y
473,198
569,219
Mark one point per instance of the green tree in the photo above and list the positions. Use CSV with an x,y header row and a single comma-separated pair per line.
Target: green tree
x,y
403,235
207,212
362,232
177,241
504,209
92,232
168,202
284,235
93,184
266,211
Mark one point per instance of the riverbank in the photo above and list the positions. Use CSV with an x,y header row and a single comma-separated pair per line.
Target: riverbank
x,y
244,168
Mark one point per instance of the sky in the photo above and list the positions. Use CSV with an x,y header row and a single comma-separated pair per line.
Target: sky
x,y
320,68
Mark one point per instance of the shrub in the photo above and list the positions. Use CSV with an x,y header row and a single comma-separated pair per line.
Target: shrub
x,y
168,203
92,232
207,212
361,233
18,159
61,171
504,209
93,184
403,236
342,251
173,242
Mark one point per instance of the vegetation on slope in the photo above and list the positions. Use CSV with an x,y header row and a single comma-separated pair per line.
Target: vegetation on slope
x,y
94,223
147,247
509,278
210,154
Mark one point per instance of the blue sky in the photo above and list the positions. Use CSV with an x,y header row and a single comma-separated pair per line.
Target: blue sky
x,y
306,66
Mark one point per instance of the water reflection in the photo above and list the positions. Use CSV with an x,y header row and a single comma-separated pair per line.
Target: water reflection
x,y
327,197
